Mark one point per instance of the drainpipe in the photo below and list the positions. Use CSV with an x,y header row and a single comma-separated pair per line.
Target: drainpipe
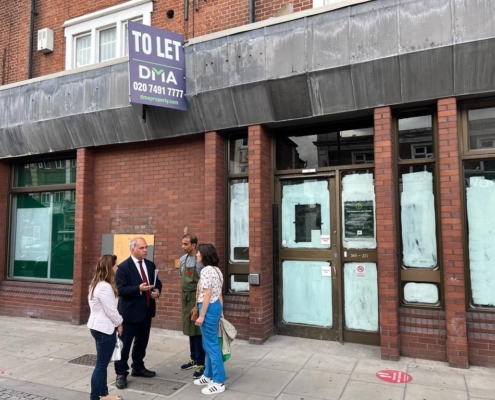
x,y
31,39
251,11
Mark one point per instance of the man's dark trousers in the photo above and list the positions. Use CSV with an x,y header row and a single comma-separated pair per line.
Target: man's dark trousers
x,y
140,332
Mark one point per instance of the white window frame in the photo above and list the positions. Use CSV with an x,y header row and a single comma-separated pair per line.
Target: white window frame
x,y
414,147
361,153
102,19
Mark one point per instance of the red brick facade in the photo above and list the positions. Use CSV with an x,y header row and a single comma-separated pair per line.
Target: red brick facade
x,y
385,179
452,234
260,233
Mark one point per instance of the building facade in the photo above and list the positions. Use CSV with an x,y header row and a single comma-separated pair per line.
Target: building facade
x,y
340,156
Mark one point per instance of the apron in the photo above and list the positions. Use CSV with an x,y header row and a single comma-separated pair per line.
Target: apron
x,y
188,285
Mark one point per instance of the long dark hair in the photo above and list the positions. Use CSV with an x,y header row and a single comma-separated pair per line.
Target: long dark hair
x,y
104,272
209,254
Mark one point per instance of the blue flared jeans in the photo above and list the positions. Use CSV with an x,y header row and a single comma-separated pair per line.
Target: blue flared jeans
x,y
214,368
105,344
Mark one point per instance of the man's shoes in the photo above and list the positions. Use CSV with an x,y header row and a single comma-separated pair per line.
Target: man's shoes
x,y
121,382
188,365
198,371
145,373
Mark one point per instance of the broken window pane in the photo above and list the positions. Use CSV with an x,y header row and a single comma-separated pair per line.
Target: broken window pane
x,y
417,202
351,146
421,293
361,296
481,128
238,156
239,220
305,214
480,178
358,211
415,135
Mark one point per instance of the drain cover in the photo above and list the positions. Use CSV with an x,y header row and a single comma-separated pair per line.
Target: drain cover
x,y
155,385
86,359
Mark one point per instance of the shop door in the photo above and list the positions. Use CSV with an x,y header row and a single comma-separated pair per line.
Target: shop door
x,y
308,267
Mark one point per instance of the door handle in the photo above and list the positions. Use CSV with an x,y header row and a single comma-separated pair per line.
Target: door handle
x,y
334,271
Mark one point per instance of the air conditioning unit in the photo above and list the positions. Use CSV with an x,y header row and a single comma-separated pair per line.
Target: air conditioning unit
x,y
45,40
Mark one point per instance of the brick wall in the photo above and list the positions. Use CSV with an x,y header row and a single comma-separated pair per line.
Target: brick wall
x,y
260,233
214,195
212,16
386,234
452,237
423,334
481,339
154,188
83,240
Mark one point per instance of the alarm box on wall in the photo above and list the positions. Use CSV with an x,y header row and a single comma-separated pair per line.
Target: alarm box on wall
x,y
45,40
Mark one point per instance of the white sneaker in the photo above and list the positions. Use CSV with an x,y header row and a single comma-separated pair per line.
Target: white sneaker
x,y
214,388
203,380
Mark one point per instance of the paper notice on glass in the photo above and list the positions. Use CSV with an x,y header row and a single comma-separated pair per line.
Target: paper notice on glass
x,y
156,276
325,239
326,270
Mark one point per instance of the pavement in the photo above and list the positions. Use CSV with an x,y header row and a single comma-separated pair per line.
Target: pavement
x,y
35,364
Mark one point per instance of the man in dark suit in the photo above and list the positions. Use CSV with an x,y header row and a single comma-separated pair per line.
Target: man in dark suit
x,y
138,292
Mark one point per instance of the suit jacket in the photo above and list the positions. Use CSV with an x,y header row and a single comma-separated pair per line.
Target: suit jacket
x,y
132,302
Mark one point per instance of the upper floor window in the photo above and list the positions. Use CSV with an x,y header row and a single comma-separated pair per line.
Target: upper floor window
x,y
102,35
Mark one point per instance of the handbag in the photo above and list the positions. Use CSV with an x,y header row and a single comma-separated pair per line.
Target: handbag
x,y
117,350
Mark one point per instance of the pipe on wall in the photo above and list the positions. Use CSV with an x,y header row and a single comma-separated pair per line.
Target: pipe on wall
x,y
31,39
251,11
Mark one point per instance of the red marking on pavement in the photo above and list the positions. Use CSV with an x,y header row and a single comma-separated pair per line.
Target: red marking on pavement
x,y
1,372
393,376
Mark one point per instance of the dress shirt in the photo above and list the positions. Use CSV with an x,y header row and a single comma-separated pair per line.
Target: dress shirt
x,y
136,263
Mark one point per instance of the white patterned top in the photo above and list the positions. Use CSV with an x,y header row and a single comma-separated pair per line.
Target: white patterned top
x,y
211,278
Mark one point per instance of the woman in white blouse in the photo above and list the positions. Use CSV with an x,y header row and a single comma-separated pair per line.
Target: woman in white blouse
x,y
210,308
103,321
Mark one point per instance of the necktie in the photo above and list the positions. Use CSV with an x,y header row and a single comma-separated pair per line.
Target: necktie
x,y
145,280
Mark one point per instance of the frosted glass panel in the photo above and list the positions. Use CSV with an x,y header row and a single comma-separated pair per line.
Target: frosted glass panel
x,y
239,221
361,296
358,211
419,243
306,214
481,219
421,293
307,293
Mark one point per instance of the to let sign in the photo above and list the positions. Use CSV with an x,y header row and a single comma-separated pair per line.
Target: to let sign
x,y
156,67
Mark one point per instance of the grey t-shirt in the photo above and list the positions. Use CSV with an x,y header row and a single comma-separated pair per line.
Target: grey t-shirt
x,y
191,262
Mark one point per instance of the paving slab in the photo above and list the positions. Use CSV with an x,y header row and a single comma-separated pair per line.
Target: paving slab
x,y
30,369
63,375
420,392
8,362
285,396
263,381
333,363
38,349
285,360
320,384
74,351
40,390
356,390
440,379
235,369
249,353
232,395
170,369
480,384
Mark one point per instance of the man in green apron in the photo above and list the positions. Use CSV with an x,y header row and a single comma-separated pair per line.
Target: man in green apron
x,y
190,271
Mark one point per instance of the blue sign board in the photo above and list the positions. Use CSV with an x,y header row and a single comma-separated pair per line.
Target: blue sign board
x,y
156,67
